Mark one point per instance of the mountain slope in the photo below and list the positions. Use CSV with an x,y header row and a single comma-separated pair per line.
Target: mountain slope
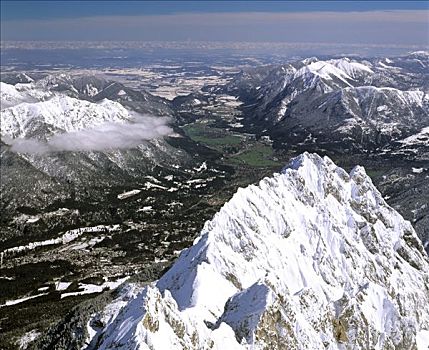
x,y
12,95
366,104
375,108
59,150
59,114
94,88
354,118
311,258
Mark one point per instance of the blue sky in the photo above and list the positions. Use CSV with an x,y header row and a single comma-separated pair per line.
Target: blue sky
x,y
352,22
68,9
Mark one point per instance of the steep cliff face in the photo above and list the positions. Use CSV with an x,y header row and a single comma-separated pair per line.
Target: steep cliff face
x,y
312,258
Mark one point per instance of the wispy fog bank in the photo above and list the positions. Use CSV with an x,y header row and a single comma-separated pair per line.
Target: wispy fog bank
x,y
103,137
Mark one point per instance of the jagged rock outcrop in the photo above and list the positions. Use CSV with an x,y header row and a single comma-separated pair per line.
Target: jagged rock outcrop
x,y
312,258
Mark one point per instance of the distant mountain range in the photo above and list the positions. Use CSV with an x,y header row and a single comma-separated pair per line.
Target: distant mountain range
x,y
365,105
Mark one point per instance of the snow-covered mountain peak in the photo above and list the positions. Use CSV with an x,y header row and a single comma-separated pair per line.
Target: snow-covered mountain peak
x,y
310,258
351,68
322,69
343,69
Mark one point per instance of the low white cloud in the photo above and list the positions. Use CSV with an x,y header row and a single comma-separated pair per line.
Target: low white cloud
x,y
104,137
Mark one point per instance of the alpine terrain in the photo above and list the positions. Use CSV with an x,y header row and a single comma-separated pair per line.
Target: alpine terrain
x,y
376,109
111,166
310,258
214,175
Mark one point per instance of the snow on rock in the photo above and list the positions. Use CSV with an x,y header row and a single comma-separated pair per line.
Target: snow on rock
x,y
352,69
421,53
343,69
92,91
21,300
423,340
65,238
417,170
422,137
60,113
9,95
145,209
323,70
128,194
411,97
93,288
312,258
12,95
27,338
62,285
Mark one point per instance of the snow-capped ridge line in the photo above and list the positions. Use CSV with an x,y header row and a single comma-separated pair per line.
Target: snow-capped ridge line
x,y
63,123
60,112
343,69
308,258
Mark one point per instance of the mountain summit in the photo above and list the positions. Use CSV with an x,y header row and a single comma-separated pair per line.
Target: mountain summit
x,y
311,258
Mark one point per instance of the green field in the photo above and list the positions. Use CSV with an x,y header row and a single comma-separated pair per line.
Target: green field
x,y
212,137
258,155
239,150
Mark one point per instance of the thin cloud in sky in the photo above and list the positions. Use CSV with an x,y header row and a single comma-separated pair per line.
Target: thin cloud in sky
x,y
370,27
